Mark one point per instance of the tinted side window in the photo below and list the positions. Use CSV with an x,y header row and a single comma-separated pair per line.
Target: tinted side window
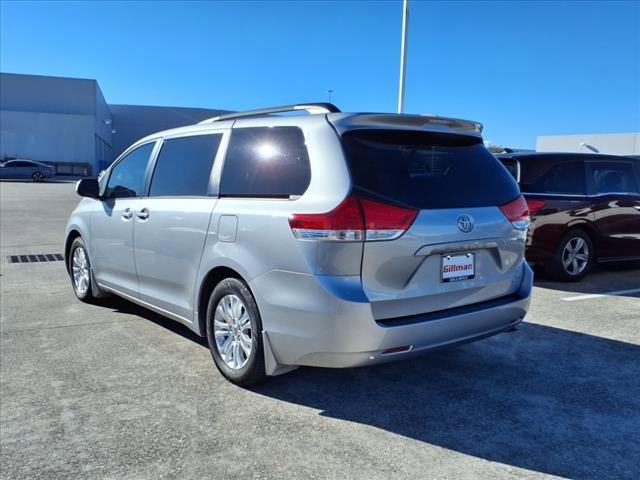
x,y
266,162
184,166
612,177
127,177
511,165
562,177
22,164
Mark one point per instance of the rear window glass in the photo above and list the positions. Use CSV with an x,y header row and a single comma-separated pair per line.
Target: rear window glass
x,y
549,176
427,170
266,162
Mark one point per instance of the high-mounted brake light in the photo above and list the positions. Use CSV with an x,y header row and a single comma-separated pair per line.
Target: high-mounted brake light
x,y
534,205
354,220
517,212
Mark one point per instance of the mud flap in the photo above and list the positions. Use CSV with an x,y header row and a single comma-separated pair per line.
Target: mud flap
x,y
271,365
96,291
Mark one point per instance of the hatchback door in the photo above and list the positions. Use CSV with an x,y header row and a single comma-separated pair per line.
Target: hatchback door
x,y
171,225
466,243
112,255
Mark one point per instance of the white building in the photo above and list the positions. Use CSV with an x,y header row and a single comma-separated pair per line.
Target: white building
x,y
608,143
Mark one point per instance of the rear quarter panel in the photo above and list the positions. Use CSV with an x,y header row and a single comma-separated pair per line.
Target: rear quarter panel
x,y
553,220
262,240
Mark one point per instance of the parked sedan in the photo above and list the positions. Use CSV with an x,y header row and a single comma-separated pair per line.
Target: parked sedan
x,y
585,208
17,169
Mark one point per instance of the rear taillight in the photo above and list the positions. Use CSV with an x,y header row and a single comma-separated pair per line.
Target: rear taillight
x,y
354,220
534,205
517,212
385,222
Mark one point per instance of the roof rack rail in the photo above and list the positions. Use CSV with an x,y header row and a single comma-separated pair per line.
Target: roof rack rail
x,y
320,107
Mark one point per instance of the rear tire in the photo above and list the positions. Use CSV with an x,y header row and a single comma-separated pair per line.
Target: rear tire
x,y
38,177
234,333
573,257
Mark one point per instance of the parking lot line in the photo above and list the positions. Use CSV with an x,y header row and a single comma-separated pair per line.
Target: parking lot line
x,y
597,295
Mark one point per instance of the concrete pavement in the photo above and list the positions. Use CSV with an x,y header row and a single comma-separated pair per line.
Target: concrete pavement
x,y
116,391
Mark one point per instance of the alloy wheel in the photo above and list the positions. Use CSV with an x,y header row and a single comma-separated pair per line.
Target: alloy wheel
x,y
232,331
575,256
80,270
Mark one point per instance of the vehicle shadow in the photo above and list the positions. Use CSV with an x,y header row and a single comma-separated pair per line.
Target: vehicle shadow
x,y
602,279
543,399
120,305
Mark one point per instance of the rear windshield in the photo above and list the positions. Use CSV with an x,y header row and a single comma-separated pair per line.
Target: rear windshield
x,y
427,170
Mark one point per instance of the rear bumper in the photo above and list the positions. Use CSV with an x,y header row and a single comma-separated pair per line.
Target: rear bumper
x,y
310,321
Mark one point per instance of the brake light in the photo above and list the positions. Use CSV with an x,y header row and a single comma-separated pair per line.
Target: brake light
x,y
385,222
534,205
517,212
354,220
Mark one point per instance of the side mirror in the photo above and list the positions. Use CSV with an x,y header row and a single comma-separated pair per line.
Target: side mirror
x,y
88,187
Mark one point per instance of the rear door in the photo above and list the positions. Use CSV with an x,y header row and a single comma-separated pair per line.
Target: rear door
x,y
616,206
171,224
461,248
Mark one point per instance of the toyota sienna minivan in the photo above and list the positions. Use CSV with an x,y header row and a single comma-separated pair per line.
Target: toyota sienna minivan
x,y
329,239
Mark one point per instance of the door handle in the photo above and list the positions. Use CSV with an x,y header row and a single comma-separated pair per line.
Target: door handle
x,y
143,214
127,214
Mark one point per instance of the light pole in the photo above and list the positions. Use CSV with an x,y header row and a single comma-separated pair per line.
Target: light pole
x,y
403,54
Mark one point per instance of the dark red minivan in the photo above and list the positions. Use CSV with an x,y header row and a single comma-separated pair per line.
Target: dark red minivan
x,y
585,208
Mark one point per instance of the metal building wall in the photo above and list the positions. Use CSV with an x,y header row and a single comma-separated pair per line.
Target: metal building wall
x,y
67,120
51,119
132,122
48,137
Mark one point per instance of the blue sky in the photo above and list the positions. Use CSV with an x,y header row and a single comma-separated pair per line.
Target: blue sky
x,y
521,68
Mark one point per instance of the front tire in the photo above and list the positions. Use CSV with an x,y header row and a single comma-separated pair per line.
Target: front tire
x,y
234,333
80,270
573,258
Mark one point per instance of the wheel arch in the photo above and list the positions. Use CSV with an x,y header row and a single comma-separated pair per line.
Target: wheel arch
x,y
588,229
71,236
209,282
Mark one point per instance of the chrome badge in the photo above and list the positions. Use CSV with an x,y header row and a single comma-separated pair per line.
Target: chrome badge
x,y
465,223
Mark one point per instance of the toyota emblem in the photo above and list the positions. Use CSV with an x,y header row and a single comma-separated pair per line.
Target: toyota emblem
x,y
465,223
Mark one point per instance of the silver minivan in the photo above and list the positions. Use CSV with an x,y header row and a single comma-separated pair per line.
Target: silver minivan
x,y
329,239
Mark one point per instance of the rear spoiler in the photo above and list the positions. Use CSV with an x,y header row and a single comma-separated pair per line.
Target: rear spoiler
x,y
351,121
